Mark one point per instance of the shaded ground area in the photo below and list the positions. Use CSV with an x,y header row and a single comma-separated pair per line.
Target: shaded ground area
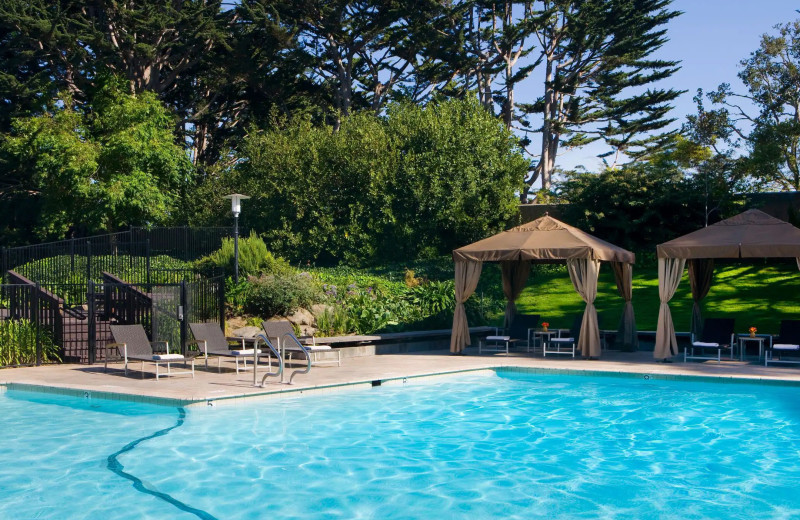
x,y
758,294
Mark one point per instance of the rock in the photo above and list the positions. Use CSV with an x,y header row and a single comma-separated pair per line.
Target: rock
x,y
302,317
247,332
236,322
307,330
318,309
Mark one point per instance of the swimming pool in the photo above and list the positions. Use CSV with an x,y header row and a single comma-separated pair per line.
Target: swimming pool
x,y
508,445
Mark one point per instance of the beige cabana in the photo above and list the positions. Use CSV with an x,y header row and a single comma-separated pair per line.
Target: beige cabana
x,y
752,234
545,240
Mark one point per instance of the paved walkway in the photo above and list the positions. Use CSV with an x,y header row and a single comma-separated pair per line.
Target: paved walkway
x,y
214,386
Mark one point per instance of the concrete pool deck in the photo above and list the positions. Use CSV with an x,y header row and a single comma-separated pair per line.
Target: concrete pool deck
x,y
236,388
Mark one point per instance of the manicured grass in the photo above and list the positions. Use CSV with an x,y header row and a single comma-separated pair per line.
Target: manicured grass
x,y
755,294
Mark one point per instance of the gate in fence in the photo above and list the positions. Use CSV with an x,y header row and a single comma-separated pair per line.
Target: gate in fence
x,y
42,323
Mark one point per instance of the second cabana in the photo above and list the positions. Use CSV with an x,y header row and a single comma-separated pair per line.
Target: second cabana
x,y
544,240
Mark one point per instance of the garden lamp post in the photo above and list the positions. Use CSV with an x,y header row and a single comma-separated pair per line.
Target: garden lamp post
x,y
236,208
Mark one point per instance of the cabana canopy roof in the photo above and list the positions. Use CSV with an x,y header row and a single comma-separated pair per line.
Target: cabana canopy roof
x,y
545,239
752,234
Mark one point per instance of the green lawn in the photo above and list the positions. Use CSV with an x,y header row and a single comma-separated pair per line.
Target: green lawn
x,y
755,294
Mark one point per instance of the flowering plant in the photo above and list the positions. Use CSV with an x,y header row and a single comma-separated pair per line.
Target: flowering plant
x,y
753,330
545,324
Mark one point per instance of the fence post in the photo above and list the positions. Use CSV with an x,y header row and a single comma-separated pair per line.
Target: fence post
x,y
4,252
37,322
92,323
221,292
88,260
183,315
186,255
72,255
147,253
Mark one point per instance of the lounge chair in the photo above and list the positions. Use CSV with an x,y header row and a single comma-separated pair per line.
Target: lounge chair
x,y
132,344
718,334
518,334
565,345
787,343
212,342
282,333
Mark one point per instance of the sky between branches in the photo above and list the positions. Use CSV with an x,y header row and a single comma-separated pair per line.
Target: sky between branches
x,y
710,38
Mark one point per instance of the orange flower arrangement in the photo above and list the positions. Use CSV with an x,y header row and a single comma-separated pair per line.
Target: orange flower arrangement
x,y
753,331
545,325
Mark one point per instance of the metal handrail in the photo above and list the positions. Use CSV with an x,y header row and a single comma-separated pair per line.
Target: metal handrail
x,y
262,337
305,352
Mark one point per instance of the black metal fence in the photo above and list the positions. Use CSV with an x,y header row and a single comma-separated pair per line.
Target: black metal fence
x,y
39,326
59,299
140,255
26,326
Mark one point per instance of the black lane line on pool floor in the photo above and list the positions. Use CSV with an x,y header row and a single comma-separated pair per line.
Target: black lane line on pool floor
x,y
116,466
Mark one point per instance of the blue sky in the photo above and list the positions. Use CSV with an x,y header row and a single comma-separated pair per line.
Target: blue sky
x,y
710,39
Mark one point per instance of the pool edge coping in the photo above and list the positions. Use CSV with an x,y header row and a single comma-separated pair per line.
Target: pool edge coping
x,y
334,387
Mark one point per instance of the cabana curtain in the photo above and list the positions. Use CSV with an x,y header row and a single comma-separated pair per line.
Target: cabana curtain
x,y
670,271
701,273
584,272
627,335
466,281
515,274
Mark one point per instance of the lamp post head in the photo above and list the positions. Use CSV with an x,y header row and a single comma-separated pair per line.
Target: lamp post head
x,y
236,202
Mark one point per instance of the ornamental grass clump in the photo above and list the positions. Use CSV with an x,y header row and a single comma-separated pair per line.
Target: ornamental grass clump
x,y
18,344
254,258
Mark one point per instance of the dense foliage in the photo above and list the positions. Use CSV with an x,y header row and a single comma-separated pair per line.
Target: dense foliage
x,y
115,165
419,182
203,77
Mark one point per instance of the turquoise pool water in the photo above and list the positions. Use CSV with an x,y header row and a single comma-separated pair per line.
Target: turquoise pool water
x,y
476,446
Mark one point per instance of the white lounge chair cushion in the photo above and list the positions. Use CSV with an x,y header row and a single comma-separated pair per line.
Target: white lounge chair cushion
x,y
498,338
562,340
168,357
704,344
246,352
308,347
317,347
785,346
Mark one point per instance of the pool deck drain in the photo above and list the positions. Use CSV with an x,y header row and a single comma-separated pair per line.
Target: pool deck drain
x,y
230,387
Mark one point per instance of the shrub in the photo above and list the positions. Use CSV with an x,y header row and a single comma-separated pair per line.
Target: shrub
x,y
434,297
415,182
280,294
254,258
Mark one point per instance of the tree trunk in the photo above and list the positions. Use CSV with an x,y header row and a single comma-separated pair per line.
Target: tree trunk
x,y
546,162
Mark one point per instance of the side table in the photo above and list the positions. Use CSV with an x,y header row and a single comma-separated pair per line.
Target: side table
x,y
760,338
544,336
